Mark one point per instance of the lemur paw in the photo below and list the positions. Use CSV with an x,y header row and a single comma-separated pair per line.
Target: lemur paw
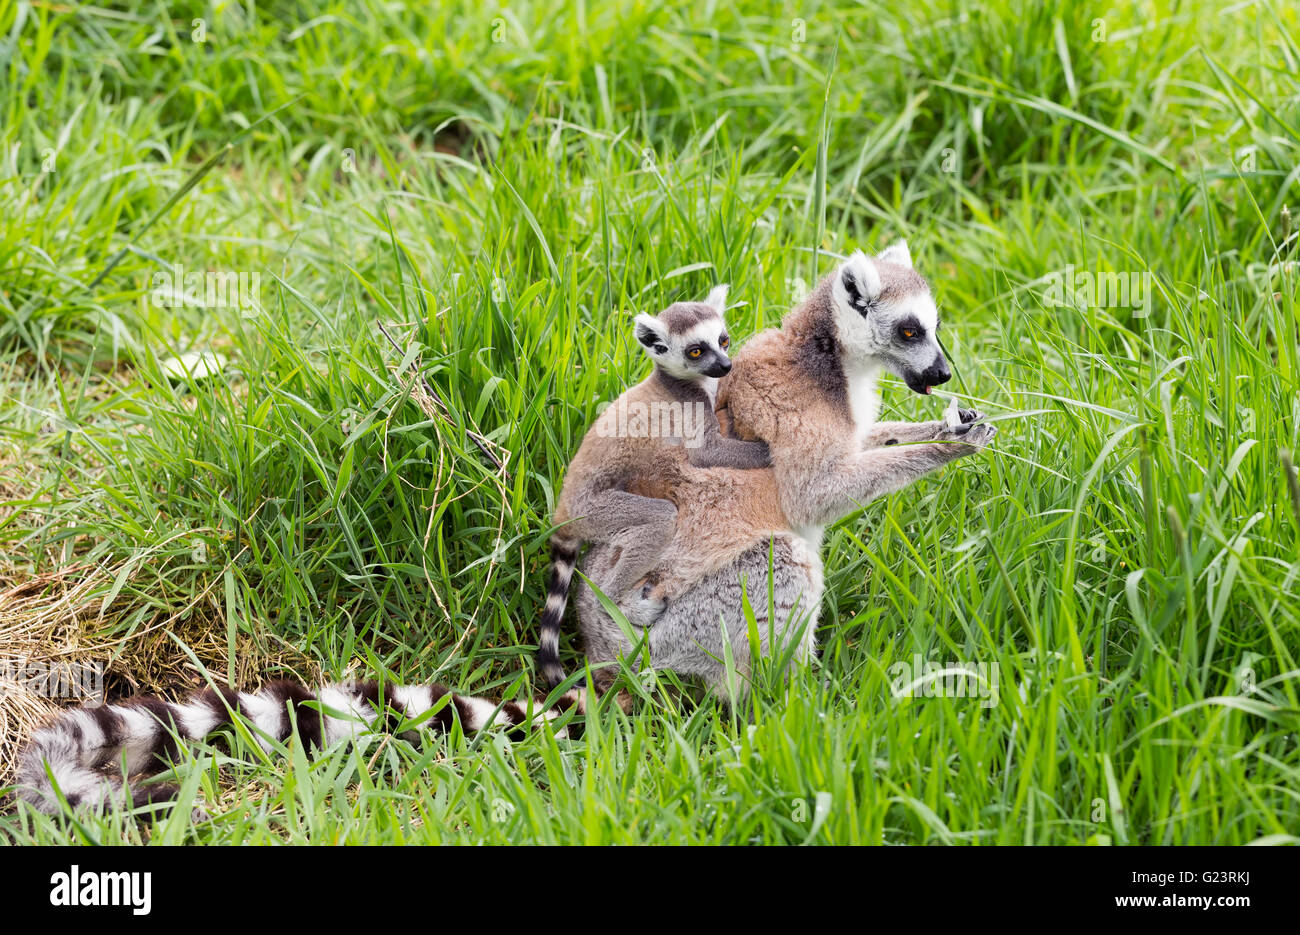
x,y
644,609
977,436
969,419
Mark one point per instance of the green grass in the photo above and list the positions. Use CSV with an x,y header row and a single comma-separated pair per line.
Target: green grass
x,y
1128,558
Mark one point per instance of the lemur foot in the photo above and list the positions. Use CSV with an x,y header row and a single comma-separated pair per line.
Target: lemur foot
x,y
649,603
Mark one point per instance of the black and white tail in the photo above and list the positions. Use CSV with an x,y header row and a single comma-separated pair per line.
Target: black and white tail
x,y
564,557
84,749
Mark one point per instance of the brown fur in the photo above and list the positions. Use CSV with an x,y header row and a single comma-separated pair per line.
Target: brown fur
x,y
719,512
606,461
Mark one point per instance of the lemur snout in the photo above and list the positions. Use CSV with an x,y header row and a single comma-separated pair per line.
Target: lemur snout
x,y
720,368
931,376
937,372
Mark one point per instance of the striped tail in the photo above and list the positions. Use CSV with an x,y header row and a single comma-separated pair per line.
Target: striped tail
x,y
84,748
564,556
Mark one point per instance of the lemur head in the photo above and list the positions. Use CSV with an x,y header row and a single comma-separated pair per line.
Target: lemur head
x,y
884,313
688,340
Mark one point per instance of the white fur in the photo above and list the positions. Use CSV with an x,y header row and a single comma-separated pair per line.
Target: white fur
x,y
897,252
858,338
922,306
861,268
92,738
480,710
708,331
413,699
653,324
139,733
811,537
864,397
196,719
348,711
855,333
266,714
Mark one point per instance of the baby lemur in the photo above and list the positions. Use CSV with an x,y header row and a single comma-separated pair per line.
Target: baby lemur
x,y
659,428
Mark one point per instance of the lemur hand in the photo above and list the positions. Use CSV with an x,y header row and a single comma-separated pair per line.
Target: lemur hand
x,y
970,432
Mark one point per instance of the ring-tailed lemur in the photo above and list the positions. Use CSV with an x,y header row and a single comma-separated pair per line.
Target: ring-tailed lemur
x,y
809,390
606,496
94,753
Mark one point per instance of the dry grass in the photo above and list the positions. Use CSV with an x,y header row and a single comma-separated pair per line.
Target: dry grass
x,y
58,620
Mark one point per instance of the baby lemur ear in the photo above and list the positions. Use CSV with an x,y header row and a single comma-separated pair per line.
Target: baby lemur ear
x,y
897,252
717,298
651,333
857,283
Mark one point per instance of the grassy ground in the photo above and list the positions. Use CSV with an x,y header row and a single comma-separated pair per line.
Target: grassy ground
x,y
500,188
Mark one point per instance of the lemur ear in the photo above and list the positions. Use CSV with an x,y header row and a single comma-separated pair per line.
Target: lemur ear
x,y
856,282
717,298
897,252
650,333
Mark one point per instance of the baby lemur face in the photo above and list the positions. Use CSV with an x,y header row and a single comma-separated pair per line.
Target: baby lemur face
x,y
884,314
688,340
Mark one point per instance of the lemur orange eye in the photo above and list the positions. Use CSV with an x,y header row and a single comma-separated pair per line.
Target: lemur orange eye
x,y
723,342
694,353
909,333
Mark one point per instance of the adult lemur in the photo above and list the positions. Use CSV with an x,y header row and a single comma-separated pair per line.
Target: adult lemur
x,y
809,390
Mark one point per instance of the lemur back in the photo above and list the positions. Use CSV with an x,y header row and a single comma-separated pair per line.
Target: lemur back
x,y
723,514
659,428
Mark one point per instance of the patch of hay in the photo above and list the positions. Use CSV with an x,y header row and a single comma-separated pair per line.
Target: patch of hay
x,y
60,647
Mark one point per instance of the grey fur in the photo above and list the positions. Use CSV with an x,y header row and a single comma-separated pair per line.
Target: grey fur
x,y
687,637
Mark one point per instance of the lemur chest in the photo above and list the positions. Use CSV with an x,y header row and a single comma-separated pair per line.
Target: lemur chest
x,y
864,399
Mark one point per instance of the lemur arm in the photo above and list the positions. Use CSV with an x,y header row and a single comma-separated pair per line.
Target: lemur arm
x,y
841,484
901,433
717,450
